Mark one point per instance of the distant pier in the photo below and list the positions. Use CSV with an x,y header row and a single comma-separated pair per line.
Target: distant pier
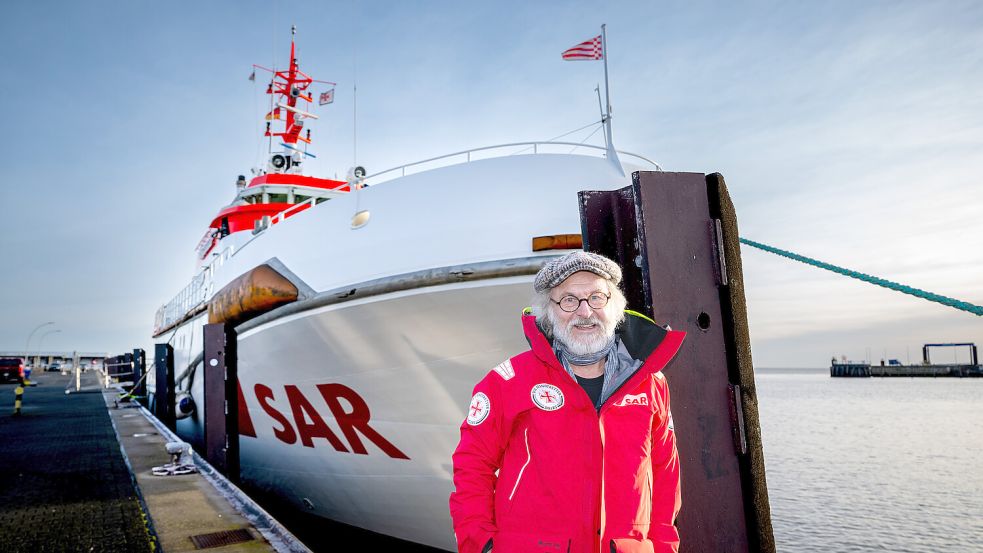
x,y
892,367
865,370
860,370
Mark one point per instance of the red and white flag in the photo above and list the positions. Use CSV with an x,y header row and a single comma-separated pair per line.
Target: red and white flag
x,y
587,50
326,97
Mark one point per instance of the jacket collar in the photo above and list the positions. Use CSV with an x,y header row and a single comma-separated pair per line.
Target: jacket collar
x,y
642,337
541,346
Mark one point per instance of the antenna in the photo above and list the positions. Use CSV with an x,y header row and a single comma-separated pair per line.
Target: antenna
x,y
269,89
355,104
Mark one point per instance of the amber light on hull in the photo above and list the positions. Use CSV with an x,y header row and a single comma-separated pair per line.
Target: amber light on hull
x,y
557,242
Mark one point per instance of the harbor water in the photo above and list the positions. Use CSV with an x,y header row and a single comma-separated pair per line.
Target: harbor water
x,y
873,464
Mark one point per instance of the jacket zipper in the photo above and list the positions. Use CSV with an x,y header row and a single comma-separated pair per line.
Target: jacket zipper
x,y
523,469
622,385
600,486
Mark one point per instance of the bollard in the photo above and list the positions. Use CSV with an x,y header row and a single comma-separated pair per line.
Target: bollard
x,y
18,397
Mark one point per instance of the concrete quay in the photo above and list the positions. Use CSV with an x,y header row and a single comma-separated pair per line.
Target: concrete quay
x,y
75,475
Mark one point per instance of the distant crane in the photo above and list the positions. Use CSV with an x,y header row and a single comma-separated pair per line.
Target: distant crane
x,y
973,357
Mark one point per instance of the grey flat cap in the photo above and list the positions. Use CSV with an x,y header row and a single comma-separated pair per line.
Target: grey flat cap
x,y
556,271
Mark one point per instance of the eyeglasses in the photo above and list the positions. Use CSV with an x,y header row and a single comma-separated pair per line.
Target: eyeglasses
x,y
570,304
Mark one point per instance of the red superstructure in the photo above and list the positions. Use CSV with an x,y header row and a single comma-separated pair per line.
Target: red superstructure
x,y
291,85
280,190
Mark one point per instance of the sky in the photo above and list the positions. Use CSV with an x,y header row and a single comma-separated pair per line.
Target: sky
x,y
850,132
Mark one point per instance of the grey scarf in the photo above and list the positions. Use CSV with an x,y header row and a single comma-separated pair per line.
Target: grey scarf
x,y
566,356
618,366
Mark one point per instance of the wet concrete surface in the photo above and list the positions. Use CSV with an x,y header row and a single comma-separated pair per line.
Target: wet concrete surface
x,y
64,485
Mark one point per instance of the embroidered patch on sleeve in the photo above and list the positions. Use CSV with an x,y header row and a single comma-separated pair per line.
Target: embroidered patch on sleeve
x,y
479,409
505,370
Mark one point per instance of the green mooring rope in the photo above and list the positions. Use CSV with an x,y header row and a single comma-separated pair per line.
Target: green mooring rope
x,y
961,305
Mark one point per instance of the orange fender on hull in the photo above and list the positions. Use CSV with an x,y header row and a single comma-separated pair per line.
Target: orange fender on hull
x,y
251,294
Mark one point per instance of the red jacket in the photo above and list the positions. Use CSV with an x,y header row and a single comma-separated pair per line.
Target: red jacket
x,y
539,469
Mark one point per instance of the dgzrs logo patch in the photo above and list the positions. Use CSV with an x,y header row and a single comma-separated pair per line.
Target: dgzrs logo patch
x,y
547,397
479,409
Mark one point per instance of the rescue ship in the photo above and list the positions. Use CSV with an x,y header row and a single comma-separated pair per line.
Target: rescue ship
x,y
367,309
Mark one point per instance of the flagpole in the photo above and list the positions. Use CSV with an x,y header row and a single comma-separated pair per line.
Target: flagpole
x,y
604,49
612,153
600,109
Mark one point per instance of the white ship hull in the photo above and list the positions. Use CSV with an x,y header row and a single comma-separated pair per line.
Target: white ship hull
x,y
410,355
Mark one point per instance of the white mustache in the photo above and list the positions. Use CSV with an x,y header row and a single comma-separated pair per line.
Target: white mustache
x,y
584,321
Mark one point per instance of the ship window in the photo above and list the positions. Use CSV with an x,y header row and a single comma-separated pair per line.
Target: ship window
x,y
278,198
301,199
322,200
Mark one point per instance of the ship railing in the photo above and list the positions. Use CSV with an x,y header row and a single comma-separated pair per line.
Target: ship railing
x,y
191,299
536,147
279,217
266,222
468,155
188,300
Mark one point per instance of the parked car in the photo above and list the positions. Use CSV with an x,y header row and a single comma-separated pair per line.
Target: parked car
x,y
54,366
11,368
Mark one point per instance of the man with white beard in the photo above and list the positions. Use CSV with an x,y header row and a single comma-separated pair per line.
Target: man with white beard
x,y
569,446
